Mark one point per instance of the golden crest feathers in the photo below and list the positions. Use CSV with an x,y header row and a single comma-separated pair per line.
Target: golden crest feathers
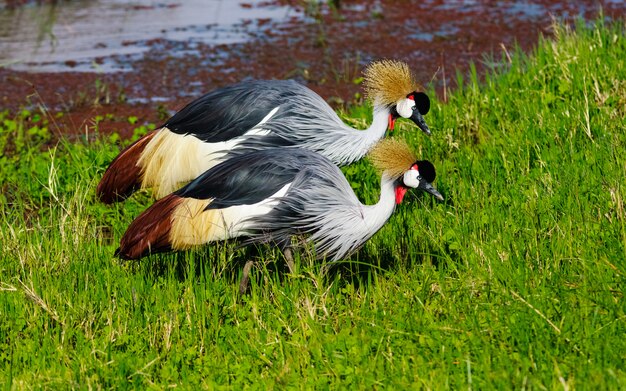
x,y
388,81
392,156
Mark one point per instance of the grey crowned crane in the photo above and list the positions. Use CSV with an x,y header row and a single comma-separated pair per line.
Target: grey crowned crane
x,y
257,115
274,194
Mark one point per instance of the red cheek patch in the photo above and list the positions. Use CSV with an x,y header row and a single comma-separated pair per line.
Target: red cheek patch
x,y
392,122
400,192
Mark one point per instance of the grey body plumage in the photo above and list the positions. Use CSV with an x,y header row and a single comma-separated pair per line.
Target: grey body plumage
x,y
302,119
318,203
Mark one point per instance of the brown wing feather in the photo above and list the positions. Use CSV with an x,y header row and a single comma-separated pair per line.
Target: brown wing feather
x,y
123,176
150,232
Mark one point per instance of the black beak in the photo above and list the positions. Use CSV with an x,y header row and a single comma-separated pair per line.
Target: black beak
x,y
419,121
427,187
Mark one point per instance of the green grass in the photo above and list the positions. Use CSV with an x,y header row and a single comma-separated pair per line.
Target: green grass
x,y
516,281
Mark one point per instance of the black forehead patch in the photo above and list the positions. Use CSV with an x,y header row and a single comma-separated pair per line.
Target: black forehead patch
x,y
422,102
427,170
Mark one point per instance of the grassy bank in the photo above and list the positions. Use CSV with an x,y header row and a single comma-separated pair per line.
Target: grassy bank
x,y
516,281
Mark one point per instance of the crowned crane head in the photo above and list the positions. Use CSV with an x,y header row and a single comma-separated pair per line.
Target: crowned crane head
x,y
390,83
395,159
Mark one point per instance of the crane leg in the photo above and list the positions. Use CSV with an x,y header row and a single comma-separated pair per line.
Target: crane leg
x,y
289,259
245,278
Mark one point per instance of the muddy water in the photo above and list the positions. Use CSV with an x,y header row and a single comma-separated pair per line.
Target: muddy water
x,y
83,35
142,57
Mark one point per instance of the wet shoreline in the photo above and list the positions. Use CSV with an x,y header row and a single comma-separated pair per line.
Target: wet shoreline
x,y
320,45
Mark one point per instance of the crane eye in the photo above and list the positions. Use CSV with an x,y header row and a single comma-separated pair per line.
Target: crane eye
x,y
414,108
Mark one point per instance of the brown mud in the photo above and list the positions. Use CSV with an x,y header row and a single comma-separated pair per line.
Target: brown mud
x,y
322,45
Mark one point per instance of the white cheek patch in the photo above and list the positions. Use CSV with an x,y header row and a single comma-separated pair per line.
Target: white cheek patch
x,y
404,107
411,179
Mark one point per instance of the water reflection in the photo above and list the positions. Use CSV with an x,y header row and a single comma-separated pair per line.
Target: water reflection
x,y
84,35
58,35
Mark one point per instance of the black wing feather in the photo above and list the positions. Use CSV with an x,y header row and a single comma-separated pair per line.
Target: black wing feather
x,y
231,111
249,178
